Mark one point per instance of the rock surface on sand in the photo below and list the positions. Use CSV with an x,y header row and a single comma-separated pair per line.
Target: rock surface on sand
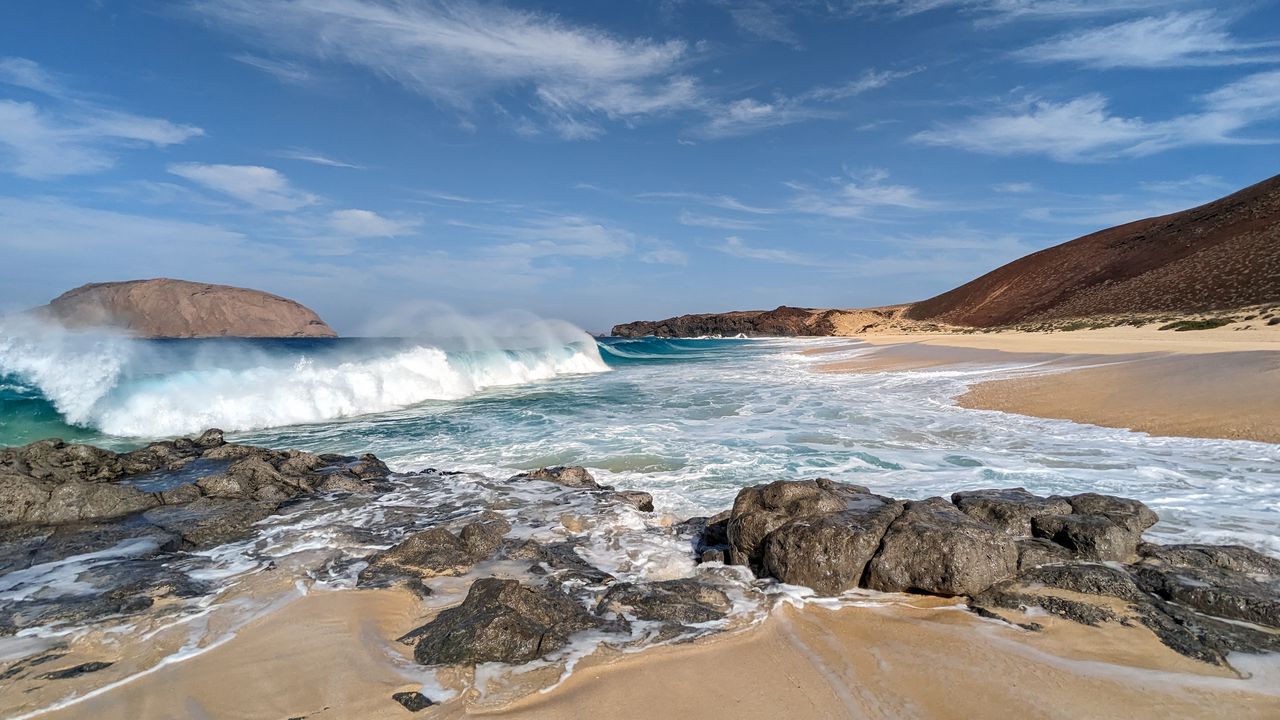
x,y
164,308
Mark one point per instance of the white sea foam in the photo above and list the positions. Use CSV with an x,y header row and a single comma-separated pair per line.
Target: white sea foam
x,y
133,388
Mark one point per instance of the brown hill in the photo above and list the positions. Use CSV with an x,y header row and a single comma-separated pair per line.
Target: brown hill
x,y
164,308
1218,256
784,321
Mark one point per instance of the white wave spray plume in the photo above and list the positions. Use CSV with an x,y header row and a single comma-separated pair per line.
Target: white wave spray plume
x,y
133,388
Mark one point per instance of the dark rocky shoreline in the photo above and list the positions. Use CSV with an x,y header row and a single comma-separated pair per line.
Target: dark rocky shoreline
x,y
1005,551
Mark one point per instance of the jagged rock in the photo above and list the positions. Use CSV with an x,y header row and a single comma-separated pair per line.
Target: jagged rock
x,y
436,552
1131,515
1010,509
761,509
1034,552
934,548
679,601
413,701
829,553
76,671
573,476
1213,591
1233,558
1089,537
641,501
558,560
1086,579
501,621
211,521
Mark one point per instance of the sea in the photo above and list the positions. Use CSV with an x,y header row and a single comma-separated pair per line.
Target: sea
x,y
691,421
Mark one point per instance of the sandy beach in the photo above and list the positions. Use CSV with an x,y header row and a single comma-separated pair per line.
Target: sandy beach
x,y
1221,383
331,654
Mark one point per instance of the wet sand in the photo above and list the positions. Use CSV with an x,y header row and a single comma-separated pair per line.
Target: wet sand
x,y
1210,384
333,655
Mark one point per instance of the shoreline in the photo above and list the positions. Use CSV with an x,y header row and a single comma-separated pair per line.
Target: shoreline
x,y
1217,385
898,655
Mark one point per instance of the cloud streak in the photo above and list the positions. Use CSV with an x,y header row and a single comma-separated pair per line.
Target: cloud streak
x,y
1178,39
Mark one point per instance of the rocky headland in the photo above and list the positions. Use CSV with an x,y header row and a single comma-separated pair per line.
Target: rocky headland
x,y
165,308
515,596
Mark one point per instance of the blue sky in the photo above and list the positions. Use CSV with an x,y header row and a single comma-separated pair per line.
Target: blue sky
x,y
608,161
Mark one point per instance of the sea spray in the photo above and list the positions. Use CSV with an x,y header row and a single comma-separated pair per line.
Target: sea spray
x,y
151,388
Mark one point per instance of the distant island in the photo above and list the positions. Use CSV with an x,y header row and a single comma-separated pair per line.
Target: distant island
x,y
166,308
1209,260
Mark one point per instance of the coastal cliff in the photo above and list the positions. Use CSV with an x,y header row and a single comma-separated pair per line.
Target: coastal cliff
x,y
165,308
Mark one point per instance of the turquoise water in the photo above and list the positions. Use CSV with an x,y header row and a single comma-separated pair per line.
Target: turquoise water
x,y
690,420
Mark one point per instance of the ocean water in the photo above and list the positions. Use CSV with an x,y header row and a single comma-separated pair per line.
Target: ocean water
x,y
691,421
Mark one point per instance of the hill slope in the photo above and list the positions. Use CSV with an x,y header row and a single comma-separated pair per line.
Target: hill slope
x,y
1222,255
164,308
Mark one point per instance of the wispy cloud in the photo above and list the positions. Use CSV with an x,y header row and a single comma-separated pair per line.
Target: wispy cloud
x,y
748,115
366,223
554,236
1085,129
456,52
762,19
1177,39
715,221
1003,11
285,71
856,195
724,202
71,135
1016,188
315,158
262,187
736,247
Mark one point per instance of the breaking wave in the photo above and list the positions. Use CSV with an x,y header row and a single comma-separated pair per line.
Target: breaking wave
x,y
154,388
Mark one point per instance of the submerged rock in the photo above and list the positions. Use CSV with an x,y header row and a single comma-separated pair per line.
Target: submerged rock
x,y
501,621
680,601
437,551
573,476
413,701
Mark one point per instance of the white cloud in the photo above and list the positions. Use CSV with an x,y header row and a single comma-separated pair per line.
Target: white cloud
x,y
1015,188
366,223
555,236
1177,39
1001,11
715,221
724,202
458,51
761,19
1084,128
285,71
748,115
261,187
855,196
315,158
664,255
735,246
72,136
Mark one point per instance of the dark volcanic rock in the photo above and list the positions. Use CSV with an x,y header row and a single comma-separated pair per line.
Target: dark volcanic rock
x,y
934,548
77,671
1213,591
501,621
829,553
413,701
761,509
437,551
1233,558
1010,510
1089,537
678,601
560,561
573,476
1034,552
1131,515
637,499
781,322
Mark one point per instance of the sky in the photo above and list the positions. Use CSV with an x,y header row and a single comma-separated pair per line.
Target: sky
x,y
603,162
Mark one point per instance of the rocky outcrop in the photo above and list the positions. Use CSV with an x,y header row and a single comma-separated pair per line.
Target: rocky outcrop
x,y
437,552
59,500
680,601
164,308
576,477
781,322
501,621
1006,550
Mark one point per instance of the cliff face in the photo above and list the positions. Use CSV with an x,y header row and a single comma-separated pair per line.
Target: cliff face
x,y
784,321
1218,256
164,308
